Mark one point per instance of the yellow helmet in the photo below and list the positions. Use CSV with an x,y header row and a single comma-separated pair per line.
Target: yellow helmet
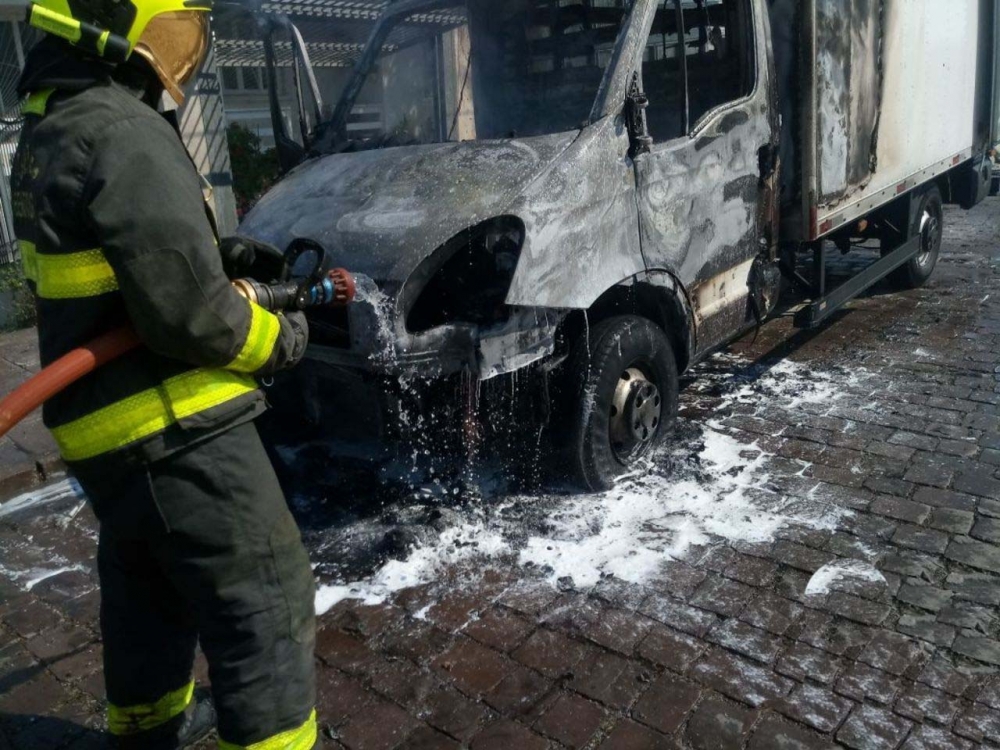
x,y
171,35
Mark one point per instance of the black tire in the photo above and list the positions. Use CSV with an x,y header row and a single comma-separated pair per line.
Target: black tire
x,y
916,272
599,447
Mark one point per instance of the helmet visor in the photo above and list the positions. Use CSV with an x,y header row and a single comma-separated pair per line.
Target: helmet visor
x,y
176,43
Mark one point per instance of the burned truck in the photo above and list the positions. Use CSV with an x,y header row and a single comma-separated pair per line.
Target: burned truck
x,y
603,192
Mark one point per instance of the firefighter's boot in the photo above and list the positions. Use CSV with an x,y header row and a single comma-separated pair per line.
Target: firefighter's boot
x,y
184,730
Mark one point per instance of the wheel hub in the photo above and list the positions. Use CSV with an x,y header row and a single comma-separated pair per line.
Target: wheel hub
x,y
930,226
635,414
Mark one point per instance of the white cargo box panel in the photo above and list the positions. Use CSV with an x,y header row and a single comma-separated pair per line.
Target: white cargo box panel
x,y
890,104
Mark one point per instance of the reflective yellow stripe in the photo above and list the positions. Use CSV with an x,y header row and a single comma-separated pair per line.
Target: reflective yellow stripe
x,y
61,25
302,738
257,349
124,720
27,250
67,276
149,412
37,103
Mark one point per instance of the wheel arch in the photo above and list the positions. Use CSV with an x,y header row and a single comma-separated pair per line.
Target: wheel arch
x,y
655,295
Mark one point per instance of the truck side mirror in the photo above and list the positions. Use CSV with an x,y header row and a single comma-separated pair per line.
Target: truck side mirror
x,y
636,103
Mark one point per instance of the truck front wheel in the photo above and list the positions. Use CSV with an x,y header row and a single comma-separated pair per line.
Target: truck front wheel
x,y
623,399
928,224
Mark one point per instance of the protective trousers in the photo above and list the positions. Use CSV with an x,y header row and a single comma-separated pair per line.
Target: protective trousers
x,y
200,546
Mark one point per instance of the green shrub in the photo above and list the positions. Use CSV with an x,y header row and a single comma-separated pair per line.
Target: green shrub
x,y
21,310
254,169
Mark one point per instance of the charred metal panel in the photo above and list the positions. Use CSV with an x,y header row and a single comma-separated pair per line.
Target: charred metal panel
x,y
848,39
581,223
381,212
701,203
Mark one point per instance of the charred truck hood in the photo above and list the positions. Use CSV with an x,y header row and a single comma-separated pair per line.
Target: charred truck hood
x,y
386,215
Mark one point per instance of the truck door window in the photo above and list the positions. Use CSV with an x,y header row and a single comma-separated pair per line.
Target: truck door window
x,y
699,56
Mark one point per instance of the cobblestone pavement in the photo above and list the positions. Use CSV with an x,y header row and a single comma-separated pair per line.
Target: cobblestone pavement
x,y
723,647
28,454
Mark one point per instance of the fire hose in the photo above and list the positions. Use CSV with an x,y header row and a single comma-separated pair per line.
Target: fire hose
x,y
335,288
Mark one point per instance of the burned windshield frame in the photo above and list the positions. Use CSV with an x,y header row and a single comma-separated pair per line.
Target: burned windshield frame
x,y
565,115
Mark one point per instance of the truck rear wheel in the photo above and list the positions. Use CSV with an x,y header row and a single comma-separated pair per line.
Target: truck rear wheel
x,y
623,399
928,224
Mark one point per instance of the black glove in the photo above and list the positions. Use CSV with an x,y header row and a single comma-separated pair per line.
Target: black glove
x,y
243,258
300,329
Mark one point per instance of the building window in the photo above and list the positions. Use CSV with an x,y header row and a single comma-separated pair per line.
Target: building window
x,y
245,78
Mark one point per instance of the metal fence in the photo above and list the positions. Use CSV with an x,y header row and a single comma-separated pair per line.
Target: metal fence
x,y
14,40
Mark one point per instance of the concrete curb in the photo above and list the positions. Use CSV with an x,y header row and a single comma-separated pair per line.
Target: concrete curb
x,y
25,479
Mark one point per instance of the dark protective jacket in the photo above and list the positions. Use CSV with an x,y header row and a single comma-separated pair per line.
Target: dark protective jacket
x,y
113,229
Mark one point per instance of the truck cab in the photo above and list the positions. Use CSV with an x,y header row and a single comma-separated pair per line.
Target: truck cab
x,y
585,195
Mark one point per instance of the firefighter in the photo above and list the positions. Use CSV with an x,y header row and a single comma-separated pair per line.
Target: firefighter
x,y
196,541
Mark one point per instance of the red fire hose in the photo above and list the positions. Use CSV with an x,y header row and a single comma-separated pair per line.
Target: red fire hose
x,y
63,372
338,288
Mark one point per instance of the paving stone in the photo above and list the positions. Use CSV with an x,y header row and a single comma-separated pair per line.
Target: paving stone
x,y
801,662
665,705
942,675
987,530
680,616
932,738
902,510
815,707
980,484
981,588
551,653
974,554
505,734
861,682
528,597
572,720
454,714
340,696
833,635
630,735
772,613
919,538
474,669
425,738
945,499
870,728
913,440
969,617
951,521
923,596
856,609
747,640
670,648
718,725
978,723
983,649
740,679
774,733
609,679
892,653
404,683
519,691
500,629
720,595
934,475
803,558
921,702
927,628
344,651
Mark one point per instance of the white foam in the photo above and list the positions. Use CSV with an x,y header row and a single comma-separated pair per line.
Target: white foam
x,y
839,570
67,488
649,518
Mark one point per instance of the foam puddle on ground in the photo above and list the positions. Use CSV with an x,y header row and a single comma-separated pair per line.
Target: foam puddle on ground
x,y
707,487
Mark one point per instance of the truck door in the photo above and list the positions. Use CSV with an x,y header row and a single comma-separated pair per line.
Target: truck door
x,y
706,183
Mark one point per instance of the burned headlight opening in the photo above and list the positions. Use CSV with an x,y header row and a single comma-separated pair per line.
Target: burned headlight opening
x,y
467,279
